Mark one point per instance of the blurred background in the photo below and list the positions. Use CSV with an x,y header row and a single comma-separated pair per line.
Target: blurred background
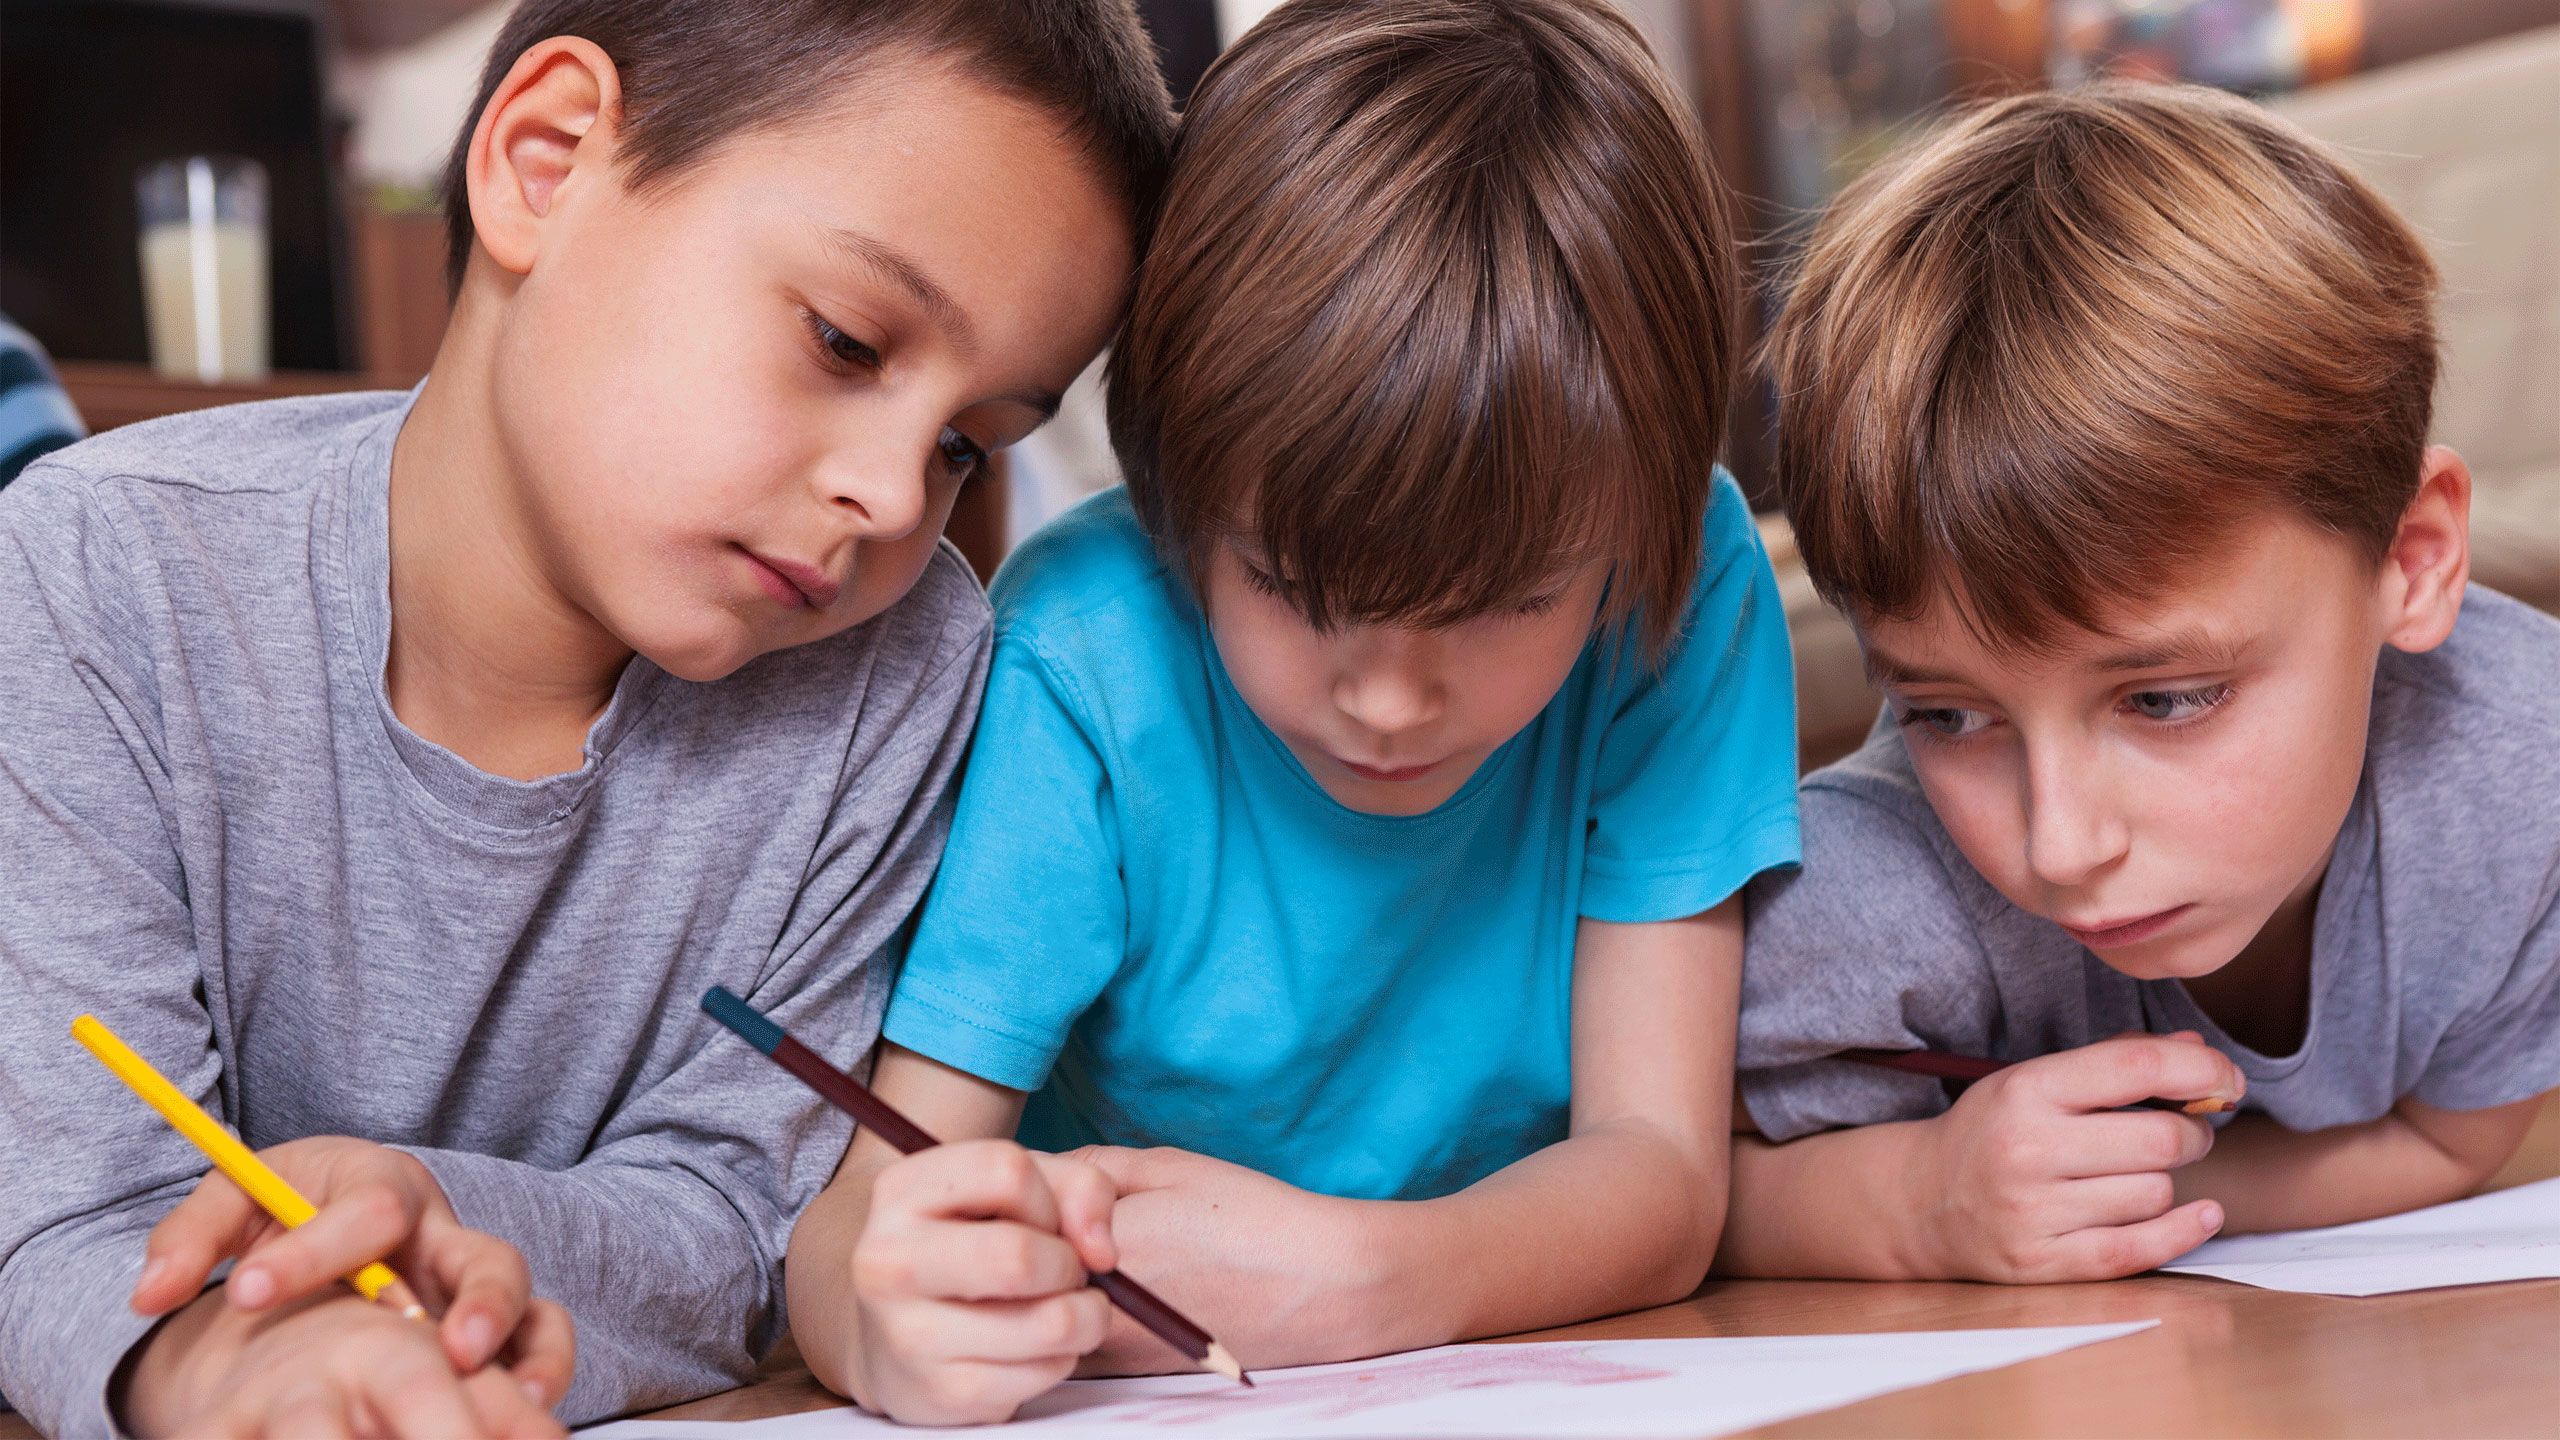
x,y
316,265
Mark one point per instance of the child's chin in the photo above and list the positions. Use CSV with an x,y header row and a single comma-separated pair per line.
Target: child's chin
x,y
2169,957
700,658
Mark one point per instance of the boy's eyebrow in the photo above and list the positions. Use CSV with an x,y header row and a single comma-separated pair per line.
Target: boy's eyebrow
x,y
895,265
1883,669
2198,648
899,268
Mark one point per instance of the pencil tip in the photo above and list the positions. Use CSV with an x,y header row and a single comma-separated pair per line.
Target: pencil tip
x,y
1220,1360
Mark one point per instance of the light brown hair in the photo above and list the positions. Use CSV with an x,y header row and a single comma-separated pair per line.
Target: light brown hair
x,y
1438,303
698,73
2045,358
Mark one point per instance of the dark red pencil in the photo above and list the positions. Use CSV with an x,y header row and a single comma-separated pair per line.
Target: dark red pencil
x,y
881,1119
1968,1069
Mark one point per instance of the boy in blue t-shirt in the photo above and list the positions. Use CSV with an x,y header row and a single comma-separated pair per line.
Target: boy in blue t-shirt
x,y
1361,795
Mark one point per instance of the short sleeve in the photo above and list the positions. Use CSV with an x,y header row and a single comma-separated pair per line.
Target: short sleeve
x,y
1694,791
2508,1047
1028,919
1867,946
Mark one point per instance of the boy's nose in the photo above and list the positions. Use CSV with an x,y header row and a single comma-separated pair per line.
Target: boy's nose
x,y
884,499
1390,692
2074,830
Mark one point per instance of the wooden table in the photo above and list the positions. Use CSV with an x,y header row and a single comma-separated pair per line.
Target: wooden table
x,y
2227,1360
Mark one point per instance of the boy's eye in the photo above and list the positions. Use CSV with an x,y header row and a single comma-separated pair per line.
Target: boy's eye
x,y
961,456
838,347
2176,705
1945,722
1539,604
1263,580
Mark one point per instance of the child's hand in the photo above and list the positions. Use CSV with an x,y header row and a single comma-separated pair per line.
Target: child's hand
x,y
969,1281
2035,1176
338,1365
1280,1275
374,1203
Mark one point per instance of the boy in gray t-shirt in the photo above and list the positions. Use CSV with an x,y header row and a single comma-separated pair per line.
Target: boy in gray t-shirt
x,y
396,772
2204,774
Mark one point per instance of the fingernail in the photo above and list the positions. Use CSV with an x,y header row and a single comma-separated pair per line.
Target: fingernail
x,y
533,1391
152,1270
2212,1217
253,1287
479,1337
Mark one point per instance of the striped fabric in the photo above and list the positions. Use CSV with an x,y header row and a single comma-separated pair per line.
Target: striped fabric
x,y
35,416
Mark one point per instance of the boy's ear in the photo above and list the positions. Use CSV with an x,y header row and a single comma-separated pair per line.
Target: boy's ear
x,y
2429,563
551,117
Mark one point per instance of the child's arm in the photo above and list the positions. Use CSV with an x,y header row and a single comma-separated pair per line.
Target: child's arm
x,y
2267,1177
2032,1175
936,1289
1621,1214
95,915
1625,1212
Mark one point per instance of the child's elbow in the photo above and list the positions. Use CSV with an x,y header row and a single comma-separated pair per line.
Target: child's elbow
x,y
1689,1247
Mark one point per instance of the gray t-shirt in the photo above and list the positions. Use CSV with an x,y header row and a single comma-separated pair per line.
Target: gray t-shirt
x,y
219,838
2435,967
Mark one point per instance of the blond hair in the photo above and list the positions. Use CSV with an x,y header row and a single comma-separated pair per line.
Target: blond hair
x,y
2047,356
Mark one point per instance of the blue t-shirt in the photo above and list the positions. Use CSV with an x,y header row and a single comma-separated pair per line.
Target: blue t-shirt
x,y
1151,916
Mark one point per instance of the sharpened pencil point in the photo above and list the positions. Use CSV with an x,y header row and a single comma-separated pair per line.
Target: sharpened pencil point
x,y
1225,1364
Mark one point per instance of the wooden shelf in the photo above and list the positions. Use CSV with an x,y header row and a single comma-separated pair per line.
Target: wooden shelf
x,y
108,395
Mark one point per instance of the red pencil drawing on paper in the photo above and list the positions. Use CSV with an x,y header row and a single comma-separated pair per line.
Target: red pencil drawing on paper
x,y
1335,1396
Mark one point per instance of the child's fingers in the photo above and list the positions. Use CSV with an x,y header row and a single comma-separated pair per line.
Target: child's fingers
x,y
490,1286
2147,1245
216,1221
412,1392
972,1180
543,1354
364,1224
1084,1196
2115,1200
2128,1142
1131,1171
976,1392
2128,1069
1006,1332
980,1260
504,1408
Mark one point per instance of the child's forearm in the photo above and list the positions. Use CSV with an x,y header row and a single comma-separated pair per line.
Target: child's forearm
x,y
2267,1177
818,1271
1612,1219
1840,1205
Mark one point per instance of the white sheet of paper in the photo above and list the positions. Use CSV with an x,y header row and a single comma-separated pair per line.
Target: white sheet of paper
x,y
2506,1235
1570,1388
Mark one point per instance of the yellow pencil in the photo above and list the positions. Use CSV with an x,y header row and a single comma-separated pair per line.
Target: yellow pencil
x,y
375,1281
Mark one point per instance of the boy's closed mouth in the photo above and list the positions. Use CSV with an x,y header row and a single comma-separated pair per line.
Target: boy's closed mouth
x,y
792,583
2125,932
1395,776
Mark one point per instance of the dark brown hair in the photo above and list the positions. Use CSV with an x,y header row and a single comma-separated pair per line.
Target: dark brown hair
x,y
695,73
2045,359
1438,302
